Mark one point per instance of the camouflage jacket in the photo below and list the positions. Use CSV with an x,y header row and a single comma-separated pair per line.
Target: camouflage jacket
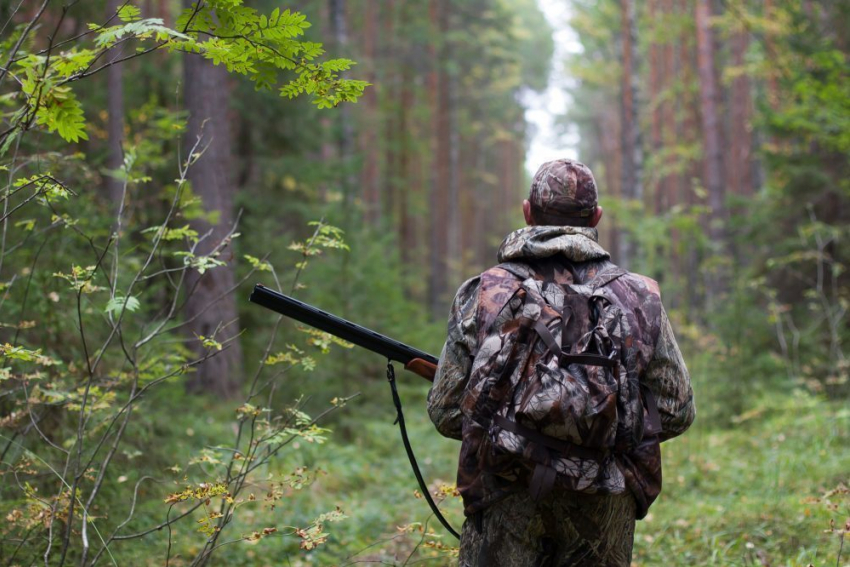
x,y
568,255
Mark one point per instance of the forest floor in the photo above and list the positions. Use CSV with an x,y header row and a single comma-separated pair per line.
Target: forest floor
x,y
765,492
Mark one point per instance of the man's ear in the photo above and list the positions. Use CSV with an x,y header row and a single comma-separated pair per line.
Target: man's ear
x,y
526,212
597,216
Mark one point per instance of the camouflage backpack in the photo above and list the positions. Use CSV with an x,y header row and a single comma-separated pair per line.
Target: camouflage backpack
x,y
552,389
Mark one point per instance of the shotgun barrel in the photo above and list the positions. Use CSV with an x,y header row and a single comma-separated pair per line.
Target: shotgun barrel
x,y
413,359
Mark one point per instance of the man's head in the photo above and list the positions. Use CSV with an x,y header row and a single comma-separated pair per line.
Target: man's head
x,y
563,192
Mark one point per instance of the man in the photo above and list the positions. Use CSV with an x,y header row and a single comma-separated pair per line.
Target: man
x,y
506,525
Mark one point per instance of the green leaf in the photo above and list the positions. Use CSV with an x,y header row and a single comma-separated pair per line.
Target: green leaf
x,y
129,13
257,264
120,303
60,111
26,224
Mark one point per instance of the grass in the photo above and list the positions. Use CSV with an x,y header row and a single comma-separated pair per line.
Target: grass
x,y
761,492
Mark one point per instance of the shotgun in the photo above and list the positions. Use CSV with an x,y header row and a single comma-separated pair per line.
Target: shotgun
x,y
414,360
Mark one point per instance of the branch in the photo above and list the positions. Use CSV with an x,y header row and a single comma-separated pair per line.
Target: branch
x,y
21,39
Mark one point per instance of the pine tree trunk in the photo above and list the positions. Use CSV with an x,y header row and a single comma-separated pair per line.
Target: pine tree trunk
x,y
369,126
770,50
632,170
656,91
328,151
688,132
345,140
608,130
406,233
668,117
210,307
389,109
441,155
712,150
671,135
454,250
740,178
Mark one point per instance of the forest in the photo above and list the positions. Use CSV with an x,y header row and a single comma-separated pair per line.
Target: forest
x,y
160,157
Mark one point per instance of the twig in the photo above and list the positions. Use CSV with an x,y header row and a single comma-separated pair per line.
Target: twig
x,y
78,474
22,38
12,17
168,525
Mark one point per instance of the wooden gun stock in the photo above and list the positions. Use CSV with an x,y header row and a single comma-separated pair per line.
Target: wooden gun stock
x,y
422,368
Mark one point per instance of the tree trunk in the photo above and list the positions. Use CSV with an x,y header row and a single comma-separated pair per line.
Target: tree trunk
x,y
345,140
115,120
406,232
211,307
712,150
740,178
770,50
390,101
326,123
669,117
414,129
657,75
671,135
608,129
632,170
454,249
369,126
441,158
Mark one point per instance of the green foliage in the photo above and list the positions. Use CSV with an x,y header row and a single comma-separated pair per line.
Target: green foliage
x,y
761,476
97,289
264,48
117,305
770,298
260,47
771,490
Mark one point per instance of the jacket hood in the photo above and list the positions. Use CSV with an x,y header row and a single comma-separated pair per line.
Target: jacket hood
x,y
577,244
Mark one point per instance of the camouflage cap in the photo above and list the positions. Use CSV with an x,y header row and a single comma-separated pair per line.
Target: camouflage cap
x,y
563,189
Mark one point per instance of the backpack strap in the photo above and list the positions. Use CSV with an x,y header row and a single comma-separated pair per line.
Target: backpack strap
x,y
548,338
543,476
517,269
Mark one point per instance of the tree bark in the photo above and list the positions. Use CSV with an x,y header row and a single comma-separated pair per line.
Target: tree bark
x,y
632,169
115,120
390,102
441,158
454,249
607,128
369,127
406,232
770,50
671,135
414,129
211,306
345,139
740,178
712,150
657,76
